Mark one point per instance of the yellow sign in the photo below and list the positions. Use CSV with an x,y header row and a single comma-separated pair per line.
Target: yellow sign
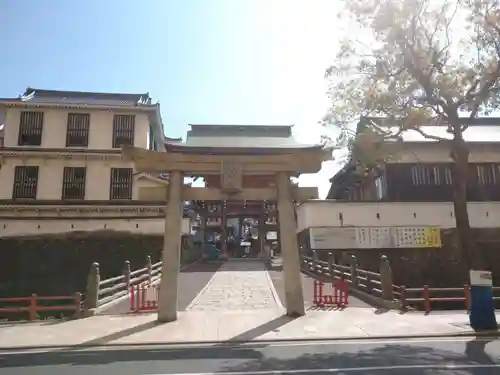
x,y
432,237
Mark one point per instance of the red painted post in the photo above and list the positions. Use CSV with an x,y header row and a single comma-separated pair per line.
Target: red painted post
x,y
327,298
340,293
32,307
318,298
427,299
345,289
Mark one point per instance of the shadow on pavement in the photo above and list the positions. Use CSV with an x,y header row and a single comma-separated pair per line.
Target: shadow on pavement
x,y
253,333
275,358
192,279
118,335
202,267
422,358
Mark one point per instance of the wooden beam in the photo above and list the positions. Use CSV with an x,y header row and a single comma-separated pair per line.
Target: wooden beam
x,y
207,194
159,193
199,164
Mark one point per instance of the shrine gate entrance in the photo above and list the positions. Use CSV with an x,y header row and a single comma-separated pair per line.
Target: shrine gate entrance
x,y
233,165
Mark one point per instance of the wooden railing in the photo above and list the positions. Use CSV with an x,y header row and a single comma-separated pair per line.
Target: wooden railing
x,y
100,292
35,304
426,296
374,283
380,284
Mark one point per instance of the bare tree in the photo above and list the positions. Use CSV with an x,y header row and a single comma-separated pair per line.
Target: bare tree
x,y
418,63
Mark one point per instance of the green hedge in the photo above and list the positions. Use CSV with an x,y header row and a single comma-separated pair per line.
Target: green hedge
x,y
59,264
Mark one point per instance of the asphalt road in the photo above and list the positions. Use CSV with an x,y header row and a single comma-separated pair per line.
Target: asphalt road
x,y
192,279
405,357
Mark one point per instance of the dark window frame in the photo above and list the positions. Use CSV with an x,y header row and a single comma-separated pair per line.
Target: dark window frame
x,y
123,130
30,128
121,184
77,128
74,183
25,184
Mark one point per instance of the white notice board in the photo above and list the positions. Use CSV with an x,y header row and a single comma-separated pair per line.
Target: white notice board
x,y
324,238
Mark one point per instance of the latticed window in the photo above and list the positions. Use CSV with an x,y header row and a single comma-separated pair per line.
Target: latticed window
x,y
123,130
77,134
30,129
74,182
121,183
425,175
487,174
25,182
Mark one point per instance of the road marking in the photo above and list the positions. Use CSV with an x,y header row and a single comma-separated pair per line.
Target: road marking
x,y
347,369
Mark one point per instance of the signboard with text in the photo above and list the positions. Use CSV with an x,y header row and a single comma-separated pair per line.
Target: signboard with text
x,y
324,238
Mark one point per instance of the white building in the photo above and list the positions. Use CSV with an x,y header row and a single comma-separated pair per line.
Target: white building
x,y
407,195
61,167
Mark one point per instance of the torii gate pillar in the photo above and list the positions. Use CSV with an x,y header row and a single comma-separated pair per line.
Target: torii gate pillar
x,y
169,284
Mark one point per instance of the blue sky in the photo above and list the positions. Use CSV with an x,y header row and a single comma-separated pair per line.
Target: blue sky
x,y
206,61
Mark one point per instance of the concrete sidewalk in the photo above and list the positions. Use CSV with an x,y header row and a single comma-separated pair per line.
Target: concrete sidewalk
x,y
232,326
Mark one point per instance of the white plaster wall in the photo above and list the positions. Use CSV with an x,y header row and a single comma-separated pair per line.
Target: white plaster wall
x,y
55,126
379,214
50,176
428,152
33,227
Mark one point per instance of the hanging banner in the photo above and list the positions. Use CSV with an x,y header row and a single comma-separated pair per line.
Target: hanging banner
x,y
324,238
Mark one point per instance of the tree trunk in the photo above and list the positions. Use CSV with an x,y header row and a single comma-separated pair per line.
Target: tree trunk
x,y
466,242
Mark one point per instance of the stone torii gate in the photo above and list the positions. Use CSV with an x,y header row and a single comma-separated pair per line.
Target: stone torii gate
x,y
231,165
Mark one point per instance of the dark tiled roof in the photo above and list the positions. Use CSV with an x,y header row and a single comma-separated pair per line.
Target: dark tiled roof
x,y
243,142
281,131
481,132
81,97
242,136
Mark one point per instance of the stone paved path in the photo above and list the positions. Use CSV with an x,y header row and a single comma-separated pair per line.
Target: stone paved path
x,y
192,279
238,285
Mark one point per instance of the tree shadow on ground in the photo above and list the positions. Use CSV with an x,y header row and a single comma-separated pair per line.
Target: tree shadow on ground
x,y
379,358
275,357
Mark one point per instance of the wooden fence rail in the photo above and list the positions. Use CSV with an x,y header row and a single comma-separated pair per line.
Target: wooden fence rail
x,y
366,281
34,304
380,284
100,292
428,295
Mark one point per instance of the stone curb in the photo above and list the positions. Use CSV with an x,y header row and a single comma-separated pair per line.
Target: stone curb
x,y
483,334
